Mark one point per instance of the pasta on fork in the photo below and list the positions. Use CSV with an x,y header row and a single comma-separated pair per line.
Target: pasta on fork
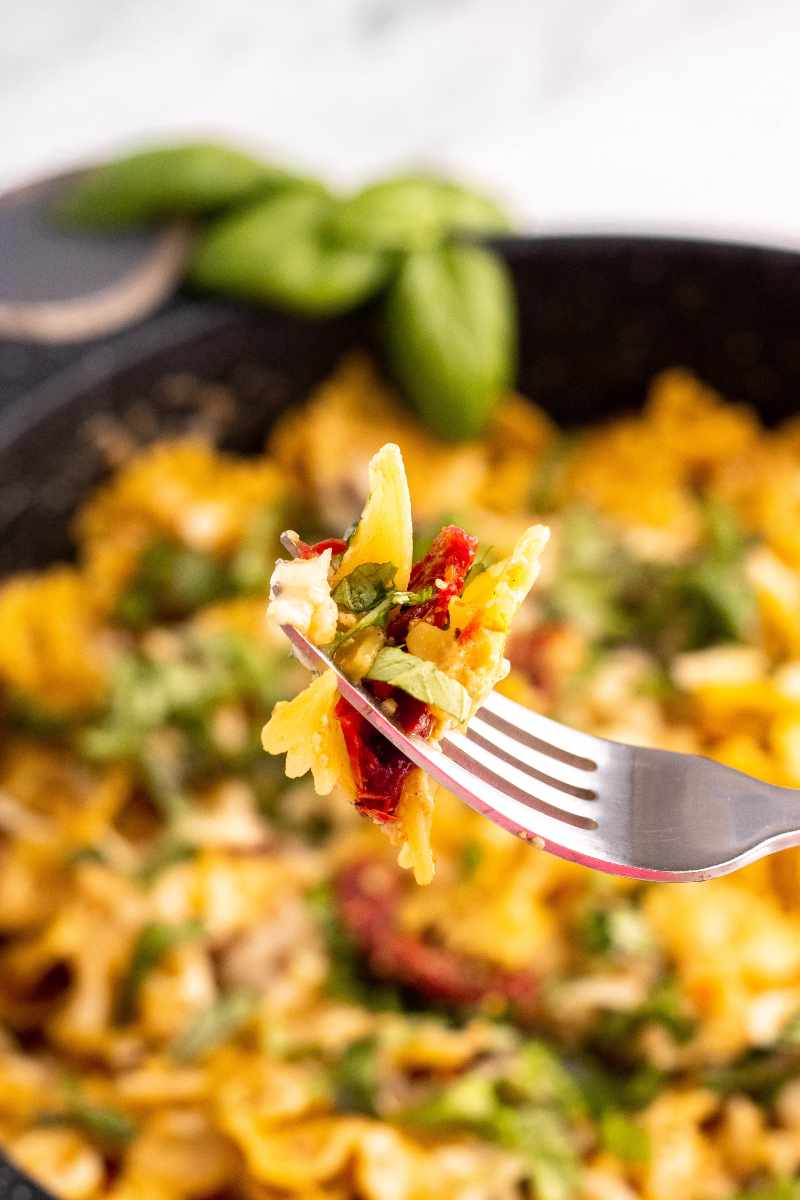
x,y
425,638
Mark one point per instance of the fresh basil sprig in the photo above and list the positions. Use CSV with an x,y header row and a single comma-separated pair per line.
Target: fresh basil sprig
x,y
413,212
197,177
279,251
450,329
421,679
277,238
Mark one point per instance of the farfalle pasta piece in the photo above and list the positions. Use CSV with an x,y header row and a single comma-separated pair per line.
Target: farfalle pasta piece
x,y
384,534
305,729
426,640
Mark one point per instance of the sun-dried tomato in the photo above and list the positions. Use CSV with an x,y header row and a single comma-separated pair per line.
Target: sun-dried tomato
x,y
379,769
337,545
444,569
368,895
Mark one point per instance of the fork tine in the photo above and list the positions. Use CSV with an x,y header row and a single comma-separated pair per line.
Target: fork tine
x,y
540,733
525,757
543,825
503,777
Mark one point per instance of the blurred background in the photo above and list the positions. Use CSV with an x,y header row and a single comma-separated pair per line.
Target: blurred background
x,y
602,114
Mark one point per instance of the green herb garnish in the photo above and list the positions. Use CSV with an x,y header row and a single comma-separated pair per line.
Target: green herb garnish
x,y
216,1024
539,1133
379,614
622,1136
471,858
154,942
423,680
274,237
356,1078
168,181
107,1126
171,581
160,715
364,587
450,324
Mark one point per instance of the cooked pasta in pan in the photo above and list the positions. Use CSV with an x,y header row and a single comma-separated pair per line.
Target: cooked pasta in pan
x,y
217,982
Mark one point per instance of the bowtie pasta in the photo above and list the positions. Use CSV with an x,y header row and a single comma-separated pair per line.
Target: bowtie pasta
x,y
427,640
216,984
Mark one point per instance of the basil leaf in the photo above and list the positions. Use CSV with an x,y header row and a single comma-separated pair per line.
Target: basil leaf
x,y
775,1189
546,1142
87,854
171,581
279,251
470,858
215,1024
373,616
623,1137
356,1078
167,851
364,587
168,181
537,1133
422,680
412,212
412,598
153,943
380,613
104,1125
450,330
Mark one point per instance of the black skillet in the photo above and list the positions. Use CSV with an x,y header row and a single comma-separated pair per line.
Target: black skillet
x,y
598,317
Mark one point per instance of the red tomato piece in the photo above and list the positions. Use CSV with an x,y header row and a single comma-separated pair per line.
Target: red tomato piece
x,y
444,569
337,545
379,769
368,895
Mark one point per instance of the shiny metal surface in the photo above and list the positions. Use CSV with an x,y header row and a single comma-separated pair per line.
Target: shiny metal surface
x,y
650,814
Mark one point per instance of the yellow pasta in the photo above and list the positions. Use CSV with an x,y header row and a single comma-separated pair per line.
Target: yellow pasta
x,y
217,981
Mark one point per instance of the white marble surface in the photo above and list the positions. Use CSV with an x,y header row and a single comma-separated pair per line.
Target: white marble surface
x,y
601,114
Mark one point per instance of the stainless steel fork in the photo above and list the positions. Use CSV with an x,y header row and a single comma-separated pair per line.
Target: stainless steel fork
x,y
652,814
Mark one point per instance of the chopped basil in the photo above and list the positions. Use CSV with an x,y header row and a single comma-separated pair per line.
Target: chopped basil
x,y
364,587
538,1133
618,929
405,599
87,854
104,1125
760,1074
171,581
613,1031
613,598
775,1189
423,680
537,1075
214,1025
790,1034
160,714
622,1136
380,613
355,1078
153,943
471,858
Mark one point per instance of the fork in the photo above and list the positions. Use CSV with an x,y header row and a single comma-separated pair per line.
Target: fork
x,y
626,810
